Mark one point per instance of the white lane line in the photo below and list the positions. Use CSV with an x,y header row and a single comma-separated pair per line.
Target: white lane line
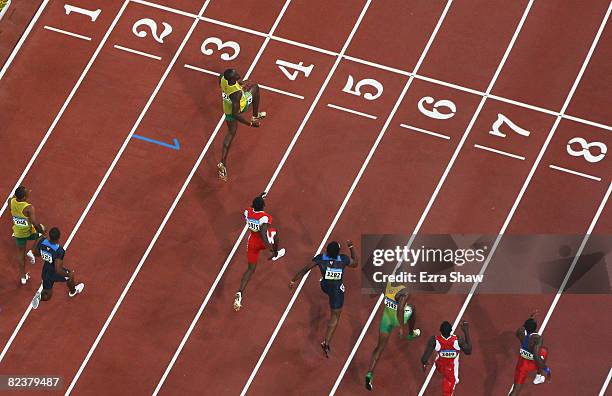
x,y
23,38
79,36
450,85
425,131
133,51
333,106
591,123
4,9
573,172
235,27
201,70
42,144
525,105
604,387
280,91
578,254
165,8
306,46
499,152
528,180
377,65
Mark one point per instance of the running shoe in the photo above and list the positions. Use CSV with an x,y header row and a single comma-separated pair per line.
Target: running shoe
x,y
415,333
31,257
260,116
238,301
326,348
36,300
279,254
539,379
25,279
77,289
368,381
222,171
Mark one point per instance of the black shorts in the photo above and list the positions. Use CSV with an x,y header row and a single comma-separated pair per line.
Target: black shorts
x,y
49,277
335,292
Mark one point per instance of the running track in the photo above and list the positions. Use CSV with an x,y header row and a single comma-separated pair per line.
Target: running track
x,y
159,241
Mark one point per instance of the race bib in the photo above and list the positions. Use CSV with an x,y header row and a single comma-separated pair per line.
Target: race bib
x,y
390,303
46,256
20,221
449,354
333,274
253,225
525,354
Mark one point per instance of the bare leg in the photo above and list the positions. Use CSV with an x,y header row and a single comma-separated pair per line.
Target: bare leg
x,y
21,252
246,277
232,127
383,338
332,324
46,294
516,389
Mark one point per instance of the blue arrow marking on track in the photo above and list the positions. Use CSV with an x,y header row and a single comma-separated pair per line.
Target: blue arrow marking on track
x,y
175,146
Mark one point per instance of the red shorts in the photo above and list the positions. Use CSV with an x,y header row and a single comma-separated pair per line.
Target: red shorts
x,y
525,366
255,245
450,371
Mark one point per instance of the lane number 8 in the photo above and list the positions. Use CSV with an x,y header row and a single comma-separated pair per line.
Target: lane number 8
x,y
586,149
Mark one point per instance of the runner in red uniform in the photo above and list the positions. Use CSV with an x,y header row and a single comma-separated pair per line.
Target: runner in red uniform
x,y
529,361
261,236
447,346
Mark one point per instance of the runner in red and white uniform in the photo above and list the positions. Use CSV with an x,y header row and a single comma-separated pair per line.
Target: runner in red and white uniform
x,y
448,347
261,236
528,361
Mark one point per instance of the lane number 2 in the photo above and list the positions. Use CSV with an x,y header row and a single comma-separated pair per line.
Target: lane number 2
x,y
152,25
348,88
440,104
585,149
234,46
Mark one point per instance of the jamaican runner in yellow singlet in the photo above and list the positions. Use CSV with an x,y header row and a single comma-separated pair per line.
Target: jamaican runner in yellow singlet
x,y
237,97
396,313
25,228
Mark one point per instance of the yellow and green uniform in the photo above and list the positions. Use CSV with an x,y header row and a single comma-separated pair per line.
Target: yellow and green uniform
x,y
23,229
389,316
226,90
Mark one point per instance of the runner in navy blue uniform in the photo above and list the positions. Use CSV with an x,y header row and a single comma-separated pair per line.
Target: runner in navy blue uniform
x,y
332,266
52,254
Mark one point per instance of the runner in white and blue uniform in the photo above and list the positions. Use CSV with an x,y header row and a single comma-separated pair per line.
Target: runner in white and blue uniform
x,y
332,265
52,254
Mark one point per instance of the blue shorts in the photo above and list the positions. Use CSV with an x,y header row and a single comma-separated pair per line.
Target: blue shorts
x,y
335,292
49,277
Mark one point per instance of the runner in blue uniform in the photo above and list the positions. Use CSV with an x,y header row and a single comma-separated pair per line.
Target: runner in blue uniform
x,y
332,266
52,254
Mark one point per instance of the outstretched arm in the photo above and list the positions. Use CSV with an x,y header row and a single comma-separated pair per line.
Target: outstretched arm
x,y
465,344
354,262
431,345
301,273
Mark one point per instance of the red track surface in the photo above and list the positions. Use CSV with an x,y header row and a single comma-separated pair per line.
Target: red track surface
x,y
146,282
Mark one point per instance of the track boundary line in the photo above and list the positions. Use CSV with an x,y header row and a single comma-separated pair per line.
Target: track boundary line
x,y
23,38
604,387
67,33
383,67
436,192
42,144
63,109
527,181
